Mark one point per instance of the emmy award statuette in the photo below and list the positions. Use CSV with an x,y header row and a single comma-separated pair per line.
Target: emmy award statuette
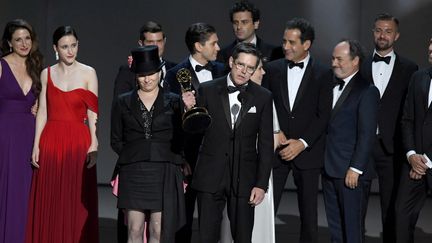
x,y
197,119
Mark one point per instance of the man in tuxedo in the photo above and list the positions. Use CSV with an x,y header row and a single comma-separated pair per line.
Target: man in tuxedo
x,y
416,176
234,161
151,33
202,41
245,20
390,73
348,170
302,95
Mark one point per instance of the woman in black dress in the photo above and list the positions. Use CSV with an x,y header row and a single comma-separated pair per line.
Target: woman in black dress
x,y
146,133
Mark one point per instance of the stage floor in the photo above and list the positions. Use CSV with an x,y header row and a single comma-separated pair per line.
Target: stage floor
x,y
287,221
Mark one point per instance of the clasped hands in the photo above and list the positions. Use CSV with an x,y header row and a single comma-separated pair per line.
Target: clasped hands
x,y
289,148
418,166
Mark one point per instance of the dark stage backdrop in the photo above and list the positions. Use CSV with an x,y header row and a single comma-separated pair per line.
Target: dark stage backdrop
x,y
108,29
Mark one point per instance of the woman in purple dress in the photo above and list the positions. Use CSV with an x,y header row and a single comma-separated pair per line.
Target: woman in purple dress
x,y
21,64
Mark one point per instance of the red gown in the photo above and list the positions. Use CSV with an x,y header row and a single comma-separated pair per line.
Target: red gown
x,y
63,199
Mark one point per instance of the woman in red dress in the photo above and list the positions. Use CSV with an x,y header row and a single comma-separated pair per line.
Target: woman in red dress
x,y
63,199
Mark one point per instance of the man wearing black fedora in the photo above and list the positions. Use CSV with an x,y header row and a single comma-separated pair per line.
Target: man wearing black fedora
x,y
147,135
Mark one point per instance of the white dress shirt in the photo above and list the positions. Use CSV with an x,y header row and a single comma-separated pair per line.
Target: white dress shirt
x,y
430,94
294,77
381,72
233,100
203,75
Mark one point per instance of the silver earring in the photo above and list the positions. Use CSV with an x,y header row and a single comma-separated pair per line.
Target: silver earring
x,y
10,48
56,56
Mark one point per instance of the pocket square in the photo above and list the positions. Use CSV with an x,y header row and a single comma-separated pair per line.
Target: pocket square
x,y
252,110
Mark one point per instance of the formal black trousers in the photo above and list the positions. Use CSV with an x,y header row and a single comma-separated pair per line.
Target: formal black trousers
x,y
210,213
306,182
411,197
387,167
345,209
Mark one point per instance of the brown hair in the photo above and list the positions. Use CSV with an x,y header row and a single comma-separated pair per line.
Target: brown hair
x,y
34,61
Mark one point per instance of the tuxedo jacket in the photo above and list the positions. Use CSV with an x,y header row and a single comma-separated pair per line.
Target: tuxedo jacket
x,y
128,134
351,130
174,86
311,110
417,116
125,79
268,51
252,137
391,103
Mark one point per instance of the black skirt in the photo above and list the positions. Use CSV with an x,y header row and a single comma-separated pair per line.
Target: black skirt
x,y
141,186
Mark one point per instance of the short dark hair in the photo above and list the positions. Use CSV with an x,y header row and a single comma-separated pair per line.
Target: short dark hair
x,y
387,17
247,48
355,49
150,27
198,32
306,29
63,31
243,6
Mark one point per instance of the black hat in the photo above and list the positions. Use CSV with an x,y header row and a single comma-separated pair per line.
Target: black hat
x,y
146,60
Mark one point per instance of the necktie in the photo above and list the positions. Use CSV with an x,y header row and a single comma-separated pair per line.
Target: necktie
x,y
232,89
338,81
293,64
208,67
378,58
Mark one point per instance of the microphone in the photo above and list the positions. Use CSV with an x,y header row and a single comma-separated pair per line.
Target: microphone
x,y
234,111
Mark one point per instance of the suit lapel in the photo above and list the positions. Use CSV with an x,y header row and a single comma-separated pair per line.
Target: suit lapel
x,y
307,77
223,95
160,103
135,109
425,92
247,103
194,81
343,96
393,81
284,85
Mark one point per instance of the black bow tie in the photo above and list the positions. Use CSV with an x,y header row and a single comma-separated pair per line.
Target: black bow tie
x,y
378,58
293,64
232,89
208,66
338,81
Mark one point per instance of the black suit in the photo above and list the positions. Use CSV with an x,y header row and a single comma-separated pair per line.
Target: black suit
x,y
349,142
225,172
125,79
416,134
307,120
174,86
193,141
387,154
268,51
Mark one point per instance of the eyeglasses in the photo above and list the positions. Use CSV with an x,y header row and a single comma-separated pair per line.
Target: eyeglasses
x,y
242,66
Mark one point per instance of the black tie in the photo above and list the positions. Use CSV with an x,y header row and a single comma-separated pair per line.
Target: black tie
x,y
378,58
293,64
208,67
232,89
338,81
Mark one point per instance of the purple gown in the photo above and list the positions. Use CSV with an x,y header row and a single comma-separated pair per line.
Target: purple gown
x,y
17,127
